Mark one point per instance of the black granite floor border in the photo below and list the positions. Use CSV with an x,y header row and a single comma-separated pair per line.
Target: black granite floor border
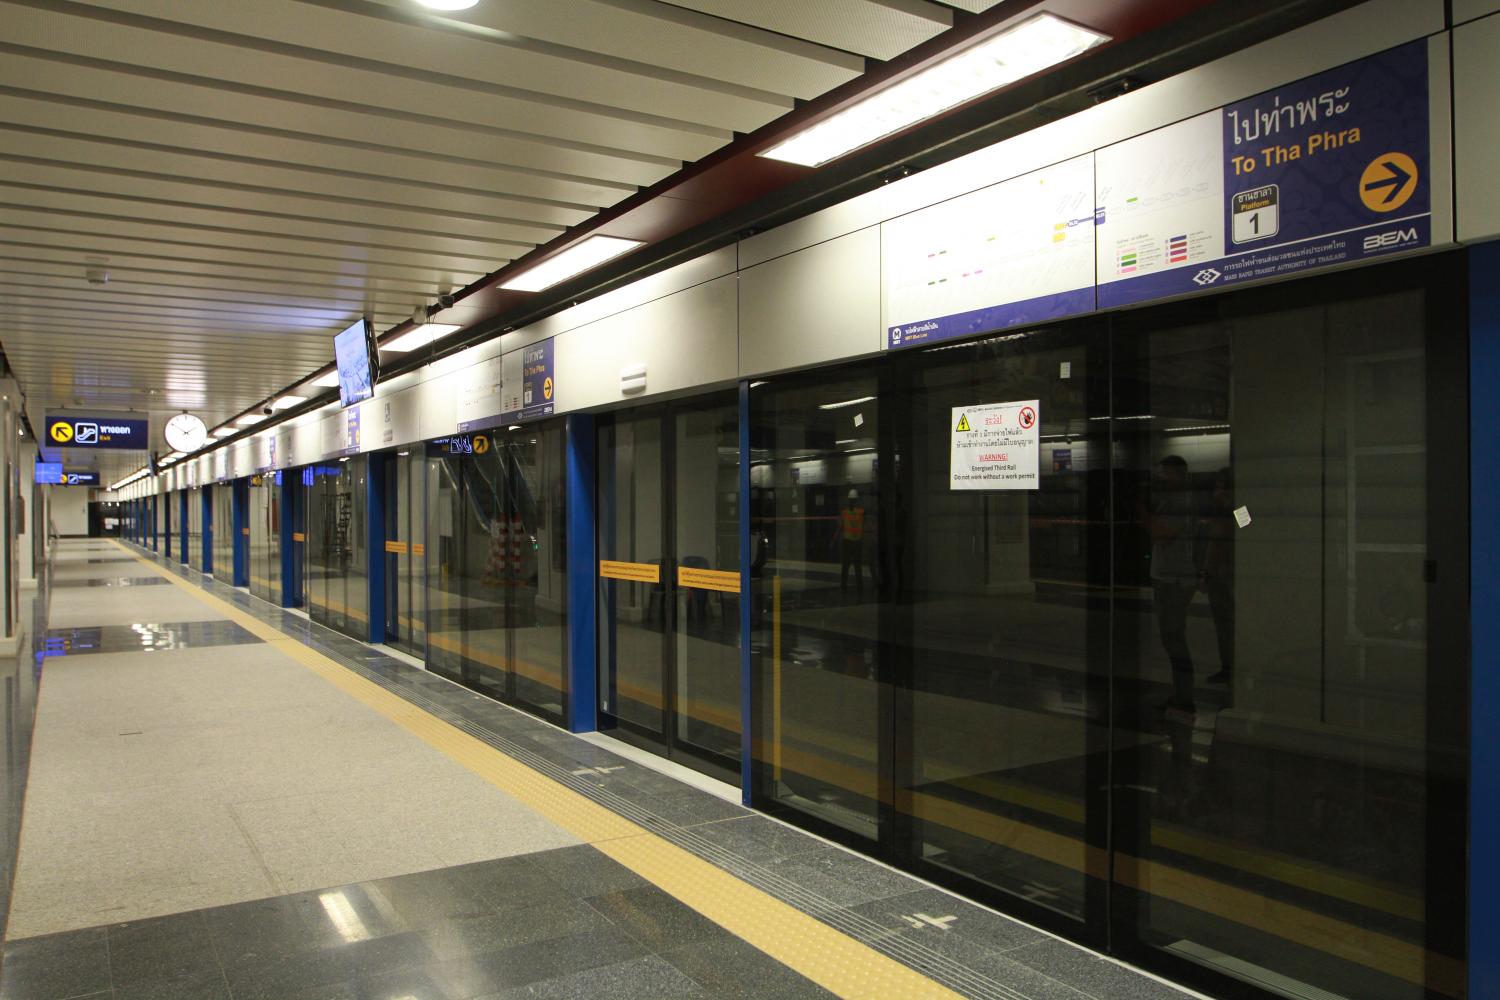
x,y
980,953
567,924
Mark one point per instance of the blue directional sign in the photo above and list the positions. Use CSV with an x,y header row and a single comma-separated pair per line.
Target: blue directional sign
x,y
97,432
53,474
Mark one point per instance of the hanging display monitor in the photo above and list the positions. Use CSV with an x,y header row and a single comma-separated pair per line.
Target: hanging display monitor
x,y
355,357
49,473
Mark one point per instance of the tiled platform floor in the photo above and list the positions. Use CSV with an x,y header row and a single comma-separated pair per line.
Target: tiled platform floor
x,y
557,922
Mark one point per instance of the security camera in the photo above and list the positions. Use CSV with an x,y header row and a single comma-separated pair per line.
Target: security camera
x,y
267,410
445,300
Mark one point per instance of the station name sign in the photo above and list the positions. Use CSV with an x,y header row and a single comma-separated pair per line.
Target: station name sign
x,y
69,431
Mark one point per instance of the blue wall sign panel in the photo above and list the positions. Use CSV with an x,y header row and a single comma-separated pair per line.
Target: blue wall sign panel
x,y
538,389
459,444
96,432
48,473
1328,170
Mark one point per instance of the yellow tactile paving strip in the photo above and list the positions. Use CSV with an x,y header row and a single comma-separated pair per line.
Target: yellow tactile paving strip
x,y
833,960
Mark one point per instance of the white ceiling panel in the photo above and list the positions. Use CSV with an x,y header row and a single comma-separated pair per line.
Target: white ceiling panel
x,y
266,112
662,36
880,29
314,155
328,43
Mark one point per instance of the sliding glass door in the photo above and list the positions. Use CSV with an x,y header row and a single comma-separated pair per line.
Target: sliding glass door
x,y
496,564
669,580
1176,664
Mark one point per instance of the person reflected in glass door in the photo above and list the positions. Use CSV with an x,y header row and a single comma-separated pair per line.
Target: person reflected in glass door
x,y
851,544
1169,520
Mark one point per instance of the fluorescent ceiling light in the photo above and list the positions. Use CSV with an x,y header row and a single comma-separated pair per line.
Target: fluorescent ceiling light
x,y
448,4
575,260
250,418
288,401
419,336
327,381
1028,48
847,402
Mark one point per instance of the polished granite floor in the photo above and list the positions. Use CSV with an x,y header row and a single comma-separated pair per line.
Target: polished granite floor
x,y
560,922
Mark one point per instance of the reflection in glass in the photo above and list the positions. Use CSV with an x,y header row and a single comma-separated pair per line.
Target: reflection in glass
x,y
669,610
632,639
1199,691
337,574
222,495
706,701
265,538
819,598
1000,599
195,529
495,562
1274,642
406,553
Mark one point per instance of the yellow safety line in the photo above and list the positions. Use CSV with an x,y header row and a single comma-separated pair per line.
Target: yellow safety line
x,y
828,957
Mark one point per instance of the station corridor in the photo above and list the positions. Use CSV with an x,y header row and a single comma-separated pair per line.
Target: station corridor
x,y
224,800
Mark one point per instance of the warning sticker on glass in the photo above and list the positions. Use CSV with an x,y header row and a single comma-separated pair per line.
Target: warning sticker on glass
x,y
996,446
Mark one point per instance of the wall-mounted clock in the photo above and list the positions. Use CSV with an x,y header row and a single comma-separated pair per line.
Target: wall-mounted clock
x,y
186,433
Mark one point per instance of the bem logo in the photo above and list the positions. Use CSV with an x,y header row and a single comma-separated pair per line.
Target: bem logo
x,y
1391,238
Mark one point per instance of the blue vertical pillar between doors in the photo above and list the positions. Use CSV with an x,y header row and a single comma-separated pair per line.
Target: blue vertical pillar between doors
x,y
747,557
1484,622
291,579
151,506
240,505
375,525
182,527
206,495
583,684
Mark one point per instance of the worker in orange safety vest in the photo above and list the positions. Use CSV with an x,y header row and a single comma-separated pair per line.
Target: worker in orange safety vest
x,y
851,543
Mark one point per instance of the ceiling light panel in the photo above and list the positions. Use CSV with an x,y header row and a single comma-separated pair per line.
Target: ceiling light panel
x,y
844,402
328,380
288,401
419,336
575,260
1026,49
